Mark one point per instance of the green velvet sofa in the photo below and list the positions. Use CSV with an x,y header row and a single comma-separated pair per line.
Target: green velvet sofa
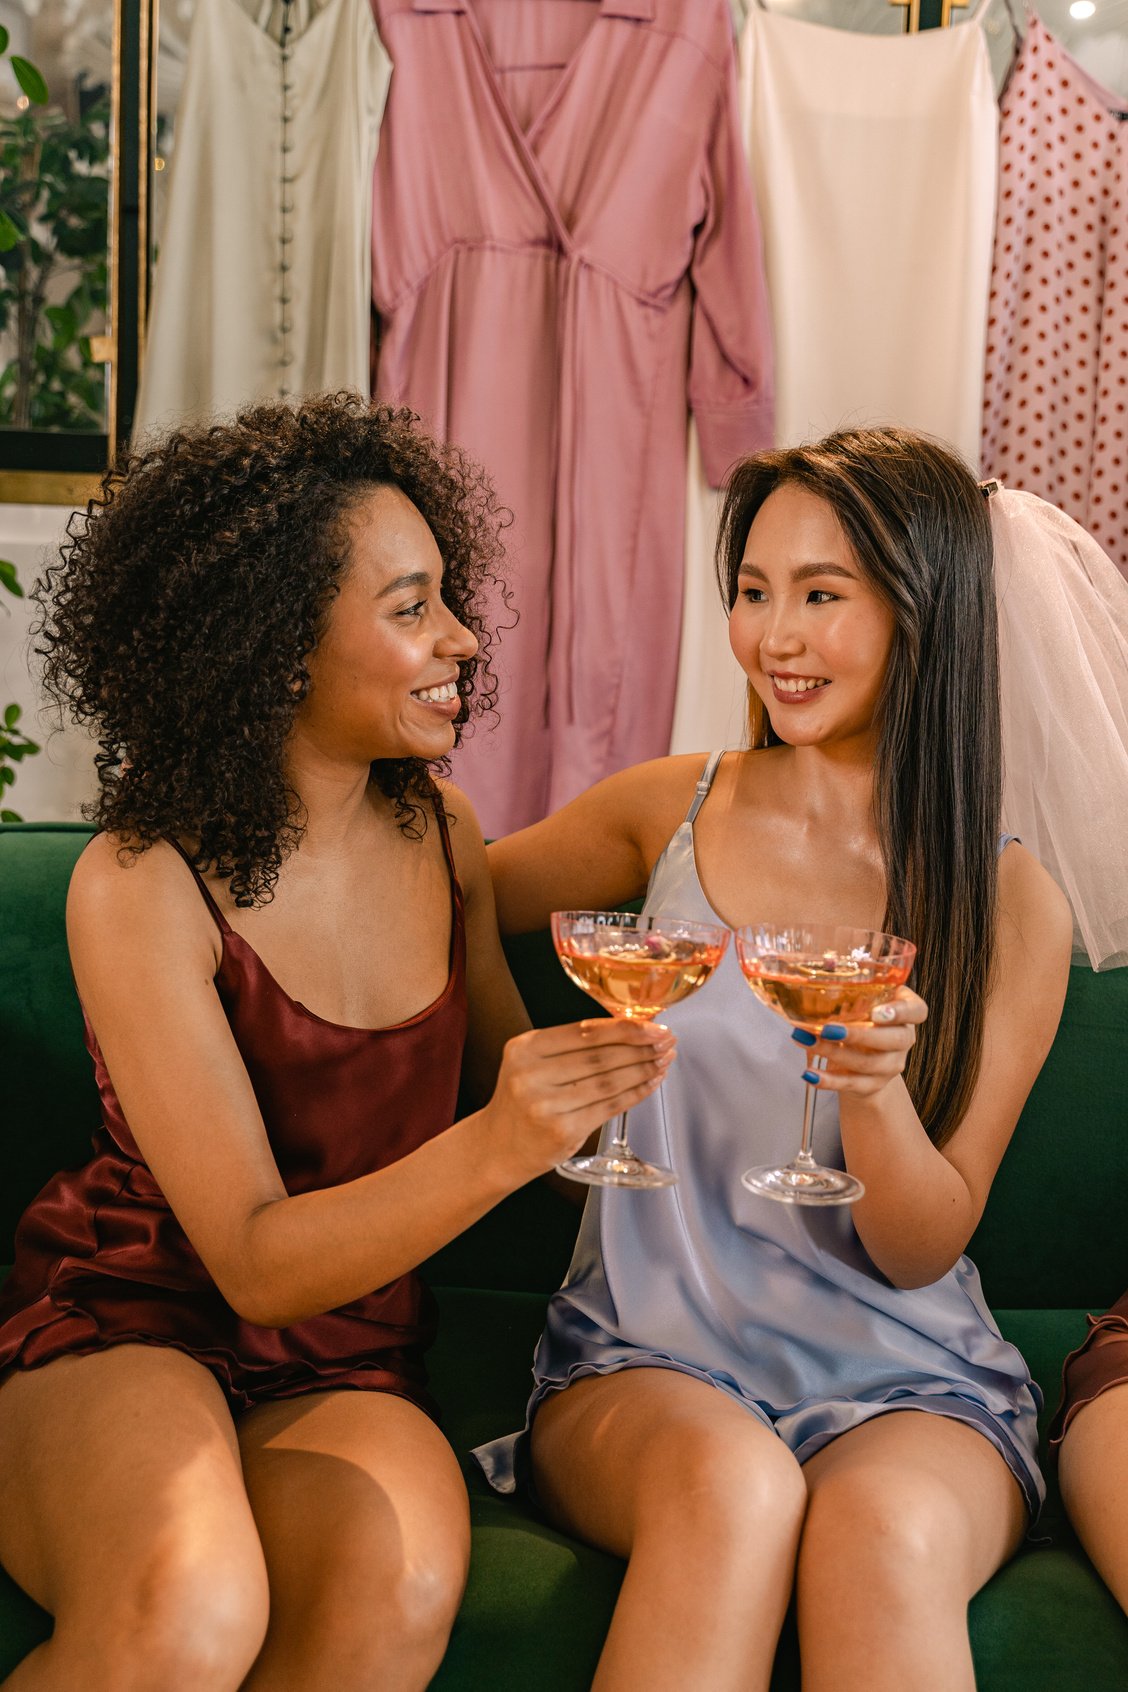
x,y
1053,1244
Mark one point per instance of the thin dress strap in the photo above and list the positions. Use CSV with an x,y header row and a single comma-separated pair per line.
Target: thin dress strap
x,y
209,901
701,791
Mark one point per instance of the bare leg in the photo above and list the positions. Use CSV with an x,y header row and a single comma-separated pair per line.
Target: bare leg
x,y
123,1513
705,1503
1094,1484
910,1514
365,1522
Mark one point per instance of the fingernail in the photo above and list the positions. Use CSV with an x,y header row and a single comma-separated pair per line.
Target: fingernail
x,y
883,1013
834,1031
812,1077
803,1035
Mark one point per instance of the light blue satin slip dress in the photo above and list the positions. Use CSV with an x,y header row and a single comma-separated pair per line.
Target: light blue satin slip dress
x,y
777,1305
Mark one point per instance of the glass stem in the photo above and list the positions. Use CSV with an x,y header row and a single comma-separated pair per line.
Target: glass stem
x,y
619,1146
804,1155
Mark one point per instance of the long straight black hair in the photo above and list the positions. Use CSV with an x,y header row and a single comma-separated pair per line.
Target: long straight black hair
x,y
918,525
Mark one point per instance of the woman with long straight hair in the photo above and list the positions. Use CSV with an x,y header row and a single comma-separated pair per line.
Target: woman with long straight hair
x,y
746,1398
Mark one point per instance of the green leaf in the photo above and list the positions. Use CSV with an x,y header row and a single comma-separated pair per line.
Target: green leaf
x,y
9,579
3,39
10,816
63,321
30,80
12,716
9,233
7,776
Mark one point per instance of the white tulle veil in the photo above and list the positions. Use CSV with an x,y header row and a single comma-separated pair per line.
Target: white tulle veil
x,y
1063,659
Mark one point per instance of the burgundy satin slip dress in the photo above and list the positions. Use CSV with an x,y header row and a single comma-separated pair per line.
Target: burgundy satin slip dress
x,y
101,1260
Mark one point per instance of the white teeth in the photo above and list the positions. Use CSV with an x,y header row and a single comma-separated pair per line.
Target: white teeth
x,y
437,695
799,684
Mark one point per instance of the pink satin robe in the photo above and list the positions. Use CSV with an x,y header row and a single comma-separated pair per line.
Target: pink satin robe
x,y
554,298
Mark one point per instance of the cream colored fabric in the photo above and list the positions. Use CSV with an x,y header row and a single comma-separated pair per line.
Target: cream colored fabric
x,y
875,161
228,323
711,706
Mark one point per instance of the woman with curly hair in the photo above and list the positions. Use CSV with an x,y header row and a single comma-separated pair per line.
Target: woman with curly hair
x,y
219,1466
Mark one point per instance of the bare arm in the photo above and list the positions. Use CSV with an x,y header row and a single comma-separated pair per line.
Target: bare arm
x,y
595,853
496,1010
144,952
921,1205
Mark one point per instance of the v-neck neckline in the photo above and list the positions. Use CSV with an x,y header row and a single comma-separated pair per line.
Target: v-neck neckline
x,y
566,76
524,141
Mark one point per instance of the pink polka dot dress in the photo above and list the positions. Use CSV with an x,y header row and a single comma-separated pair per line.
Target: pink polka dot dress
x,y
1056,398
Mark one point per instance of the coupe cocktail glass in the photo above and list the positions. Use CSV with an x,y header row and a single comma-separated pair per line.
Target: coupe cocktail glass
x,y
814,975
635,967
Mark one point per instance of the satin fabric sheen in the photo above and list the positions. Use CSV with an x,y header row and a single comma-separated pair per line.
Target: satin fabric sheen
x,y
1099,1363
777,1305
101,1260
874,160
556,305
263,281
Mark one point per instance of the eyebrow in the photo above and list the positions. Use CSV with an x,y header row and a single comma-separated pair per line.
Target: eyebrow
x,y
418,578
803,572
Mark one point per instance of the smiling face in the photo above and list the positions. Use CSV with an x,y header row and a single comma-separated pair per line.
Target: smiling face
x,y
809,632
383,675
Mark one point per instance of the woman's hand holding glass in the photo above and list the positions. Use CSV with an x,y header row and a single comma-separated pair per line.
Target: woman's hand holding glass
x,y
862,1059
557,1086
812,974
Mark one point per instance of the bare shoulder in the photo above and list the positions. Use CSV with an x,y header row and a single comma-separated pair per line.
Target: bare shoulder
x,y
1035,921
1035,943
648,801
466,841
122,896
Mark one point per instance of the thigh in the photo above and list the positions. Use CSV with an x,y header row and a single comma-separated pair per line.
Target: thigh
x,y
614,1453
918,1488
1094,1483
115,1467
353,1493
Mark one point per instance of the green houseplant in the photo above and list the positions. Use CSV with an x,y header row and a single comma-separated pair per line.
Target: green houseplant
x,y
14,744
54,224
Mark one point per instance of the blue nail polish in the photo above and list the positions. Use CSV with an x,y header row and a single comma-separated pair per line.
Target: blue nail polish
x,y
804,1036
811,1077
834,1031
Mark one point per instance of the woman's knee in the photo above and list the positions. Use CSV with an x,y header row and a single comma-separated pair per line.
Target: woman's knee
x,y
874,1531
377,1620
189,1619
735,1482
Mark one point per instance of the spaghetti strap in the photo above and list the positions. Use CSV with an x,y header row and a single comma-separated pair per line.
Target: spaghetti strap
x,y
701,791
444,836
221,921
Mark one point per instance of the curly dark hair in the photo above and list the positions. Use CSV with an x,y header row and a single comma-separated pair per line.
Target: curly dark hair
x,y
179,616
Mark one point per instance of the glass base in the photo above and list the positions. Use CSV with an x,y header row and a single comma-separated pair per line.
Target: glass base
x,y
609,1169
799,1183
